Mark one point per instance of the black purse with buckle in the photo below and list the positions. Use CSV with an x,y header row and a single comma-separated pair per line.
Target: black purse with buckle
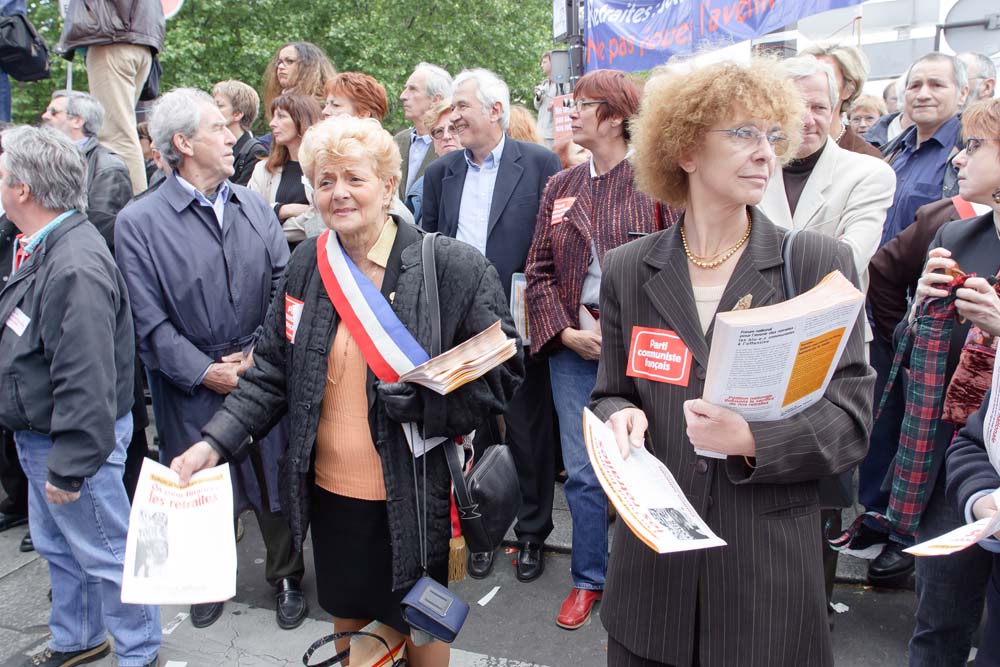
x,y
488,496
431,610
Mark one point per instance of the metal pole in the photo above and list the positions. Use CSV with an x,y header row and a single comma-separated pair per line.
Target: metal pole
x,y
69,75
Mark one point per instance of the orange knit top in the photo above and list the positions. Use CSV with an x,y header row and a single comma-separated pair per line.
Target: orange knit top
x,y
346,461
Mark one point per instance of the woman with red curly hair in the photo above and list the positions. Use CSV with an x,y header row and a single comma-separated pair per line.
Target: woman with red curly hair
x,y
355,94
708,140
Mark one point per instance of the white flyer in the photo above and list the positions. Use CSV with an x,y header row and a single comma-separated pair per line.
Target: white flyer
x,y
181,546
991,423
961,538
645,494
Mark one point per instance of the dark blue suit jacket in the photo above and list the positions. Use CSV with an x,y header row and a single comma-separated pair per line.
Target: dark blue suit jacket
x,y
524,170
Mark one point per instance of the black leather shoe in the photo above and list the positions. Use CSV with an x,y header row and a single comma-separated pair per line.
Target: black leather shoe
x,y
892,568
291,604
50,658
203,615
26,544
11,521
530,561
480,564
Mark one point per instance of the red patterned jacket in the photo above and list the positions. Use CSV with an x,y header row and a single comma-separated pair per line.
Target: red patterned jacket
x,y
603,210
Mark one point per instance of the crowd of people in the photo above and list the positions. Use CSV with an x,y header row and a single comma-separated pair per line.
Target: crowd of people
x,y
250,284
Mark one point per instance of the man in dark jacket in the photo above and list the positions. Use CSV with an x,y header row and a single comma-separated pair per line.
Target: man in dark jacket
x,y
66,354
487,195
14,508
202,258
121,37
80,116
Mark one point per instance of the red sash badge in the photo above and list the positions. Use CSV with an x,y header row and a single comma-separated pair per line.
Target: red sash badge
x,y
659,355
293,314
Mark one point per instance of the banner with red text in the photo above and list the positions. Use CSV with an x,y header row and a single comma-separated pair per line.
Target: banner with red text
x,y
634,35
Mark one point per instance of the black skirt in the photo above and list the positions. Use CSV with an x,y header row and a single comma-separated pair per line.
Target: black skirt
x,y
353,559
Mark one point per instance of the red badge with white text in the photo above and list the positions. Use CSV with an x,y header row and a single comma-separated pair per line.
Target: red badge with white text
x,y
293,313
559,208
659,355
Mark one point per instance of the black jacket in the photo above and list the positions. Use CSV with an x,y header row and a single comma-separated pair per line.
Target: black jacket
x,y
247,152
291,378
109,188
969,468
97,22
69,373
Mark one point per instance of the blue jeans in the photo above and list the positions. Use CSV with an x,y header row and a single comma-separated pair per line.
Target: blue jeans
x,y
84,544
573,378
950,590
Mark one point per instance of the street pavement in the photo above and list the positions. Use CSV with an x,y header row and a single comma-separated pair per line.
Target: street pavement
x,y
515,628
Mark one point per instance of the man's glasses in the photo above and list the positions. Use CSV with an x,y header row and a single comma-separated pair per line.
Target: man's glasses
x,y
973,144
749,137
580,105
438,132
52,111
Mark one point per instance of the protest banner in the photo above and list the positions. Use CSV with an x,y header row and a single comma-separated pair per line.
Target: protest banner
x,y
634,35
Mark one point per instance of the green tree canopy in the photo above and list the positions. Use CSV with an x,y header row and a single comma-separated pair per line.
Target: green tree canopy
x,y
211,40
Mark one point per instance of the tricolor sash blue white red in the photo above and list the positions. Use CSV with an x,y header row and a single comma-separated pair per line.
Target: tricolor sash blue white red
x,y
387,346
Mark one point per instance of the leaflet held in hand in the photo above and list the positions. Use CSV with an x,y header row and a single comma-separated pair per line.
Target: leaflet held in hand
x,y
465,362
646,495
181,546
772,362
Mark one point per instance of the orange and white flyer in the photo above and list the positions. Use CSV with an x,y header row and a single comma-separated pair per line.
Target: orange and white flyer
x,y
645,494
772,362
960,538
181,545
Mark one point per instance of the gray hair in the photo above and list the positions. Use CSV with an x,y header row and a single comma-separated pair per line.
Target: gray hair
x,y
50,165
82,105
177,112
852,62
490,89
987,68
437,81
957,67
804,67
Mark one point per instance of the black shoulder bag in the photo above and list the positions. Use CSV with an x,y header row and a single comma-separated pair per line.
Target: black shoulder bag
x,y
835,491
489,496
23,53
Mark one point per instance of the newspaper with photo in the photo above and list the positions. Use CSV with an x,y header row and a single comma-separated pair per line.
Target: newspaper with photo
x,y
646,495
772,362
181,545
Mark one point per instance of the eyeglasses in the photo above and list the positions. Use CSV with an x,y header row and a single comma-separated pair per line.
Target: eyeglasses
x,y
580,105
52,111
287,62
749,136
973,144
438,132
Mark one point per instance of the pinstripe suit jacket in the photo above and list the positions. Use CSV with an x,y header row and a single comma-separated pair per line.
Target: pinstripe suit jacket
x,y
759,600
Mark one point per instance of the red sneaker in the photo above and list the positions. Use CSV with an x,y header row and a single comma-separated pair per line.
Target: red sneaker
x,y
576,608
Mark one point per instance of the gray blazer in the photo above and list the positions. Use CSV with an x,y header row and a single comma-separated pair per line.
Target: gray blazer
x,y
403,141
760,600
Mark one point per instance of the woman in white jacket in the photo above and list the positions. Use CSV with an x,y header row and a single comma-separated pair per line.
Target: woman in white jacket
x,y
279,178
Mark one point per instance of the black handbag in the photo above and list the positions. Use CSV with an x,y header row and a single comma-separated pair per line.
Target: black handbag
x,y
489,496
23,53
835,491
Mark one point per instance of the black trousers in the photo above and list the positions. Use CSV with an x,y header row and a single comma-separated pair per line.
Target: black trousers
x,y
533,441
12,478
282,560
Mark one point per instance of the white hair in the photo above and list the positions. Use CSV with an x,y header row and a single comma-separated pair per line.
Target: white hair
x,y
490,89
804,67
437,81
50,165
177,112
83,106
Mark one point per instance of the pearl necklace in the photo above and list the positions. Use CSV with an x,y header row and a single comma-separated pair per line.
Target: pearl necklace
x,y
720,259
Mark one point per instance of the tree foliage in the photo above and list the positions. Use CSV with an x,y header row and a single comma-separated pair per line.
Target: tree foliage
x,y
211,40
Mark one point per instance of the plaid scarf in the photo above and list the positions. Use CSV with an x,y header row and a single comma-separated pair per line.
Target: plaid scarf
x,y
924,350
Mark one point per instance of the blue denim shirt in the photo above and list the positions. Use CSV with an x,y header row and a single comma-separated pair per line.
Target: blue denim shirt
x,y
919,175
477,197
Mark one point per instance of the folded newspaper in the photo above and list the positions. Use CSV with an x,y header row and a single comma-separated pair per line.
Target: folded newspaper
x,y
465,362
181,546
645,494
771,362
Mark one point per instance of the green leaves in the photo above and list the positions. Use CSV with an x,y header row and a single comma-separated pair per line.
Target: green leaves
x,y
211,40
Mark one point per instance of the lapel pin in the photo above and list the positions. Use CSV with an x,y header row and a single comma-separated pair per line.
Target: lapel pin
x,y
744,302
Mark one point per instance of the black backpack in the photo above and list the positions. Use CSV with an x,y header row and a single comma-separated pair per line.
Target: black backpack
x,y
23,54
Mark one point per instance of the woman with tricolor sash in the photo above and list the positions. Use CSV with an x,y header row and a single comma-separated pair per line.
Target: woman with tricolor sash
x,y
351,317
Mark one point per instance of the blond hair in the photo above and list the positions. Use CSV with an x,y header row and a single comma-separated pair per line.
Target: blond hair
x,y
348,139
676,113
